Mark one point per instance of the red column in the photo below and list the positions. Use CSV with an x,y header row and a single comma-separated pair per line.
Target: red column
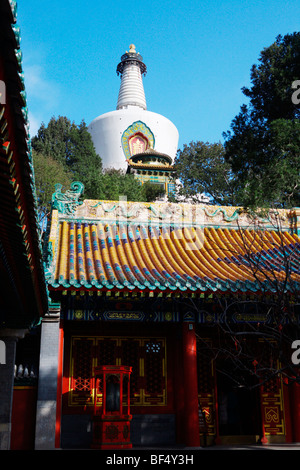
x,y
191,413
178,388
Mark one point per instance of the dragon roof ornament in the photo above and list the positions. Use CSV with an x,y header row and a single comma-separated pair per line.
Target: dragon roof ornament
x,y
66,203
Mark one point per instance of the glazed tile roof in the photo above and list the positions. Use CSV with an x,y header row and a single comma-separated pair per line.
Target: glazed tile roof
x,y
95,254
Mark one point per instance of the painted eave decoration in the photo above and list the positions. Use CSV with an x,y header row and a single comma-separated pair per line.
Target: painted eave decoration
x,y
23,289
158,247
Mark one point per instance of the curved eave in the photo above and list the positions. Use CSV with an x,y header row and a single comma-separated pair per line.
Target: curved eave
x,y
24,296
124,257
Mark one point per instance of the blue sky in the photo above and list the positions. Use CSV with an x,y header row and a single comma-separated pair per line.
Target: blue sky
x,y
198,56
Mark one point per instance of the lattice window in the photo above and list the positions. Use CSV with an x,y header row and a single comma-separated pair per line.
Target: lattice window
x,y
154,376
153,347
106,352
268,360
130,357
81,371
145,356
271,386
205,375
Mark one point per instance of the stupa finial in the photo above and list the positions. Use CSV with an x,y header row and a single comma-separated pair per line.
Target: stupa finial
x,y
132,49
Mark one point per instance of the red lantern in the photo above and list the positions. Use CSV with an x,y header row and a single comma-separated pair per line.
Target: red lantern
x,y
111,420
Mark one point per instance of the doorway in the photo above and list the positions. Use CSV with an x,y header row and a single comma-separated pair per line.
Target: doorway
x,y
238,411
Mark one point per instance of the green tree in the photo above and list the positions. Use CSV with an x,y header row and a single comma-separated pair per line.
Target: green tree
x,y
263,145
85,164
152,191
72,147
47,173
201,169
54,140
115,184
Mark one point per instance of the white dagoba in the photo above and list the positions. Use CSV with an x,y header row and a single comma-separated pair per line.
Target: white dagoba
x,y
113,133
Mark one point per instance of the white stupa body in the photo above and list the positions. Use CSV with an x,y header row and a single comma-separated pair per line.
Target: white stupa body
x,y
110,130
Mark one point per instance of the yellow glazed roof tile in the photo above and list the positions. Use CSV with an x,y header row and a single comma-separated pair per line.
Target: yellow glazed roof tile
x,y
140,256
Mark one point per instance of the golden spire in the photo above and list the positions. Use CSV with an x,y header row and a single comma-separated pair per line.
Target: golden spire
x,y
131,49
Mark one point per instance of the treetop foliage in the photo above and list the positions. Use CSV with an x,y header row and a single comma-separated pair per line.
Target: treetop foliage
x,y
272,79
72,147
259,164
202,170
263,145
